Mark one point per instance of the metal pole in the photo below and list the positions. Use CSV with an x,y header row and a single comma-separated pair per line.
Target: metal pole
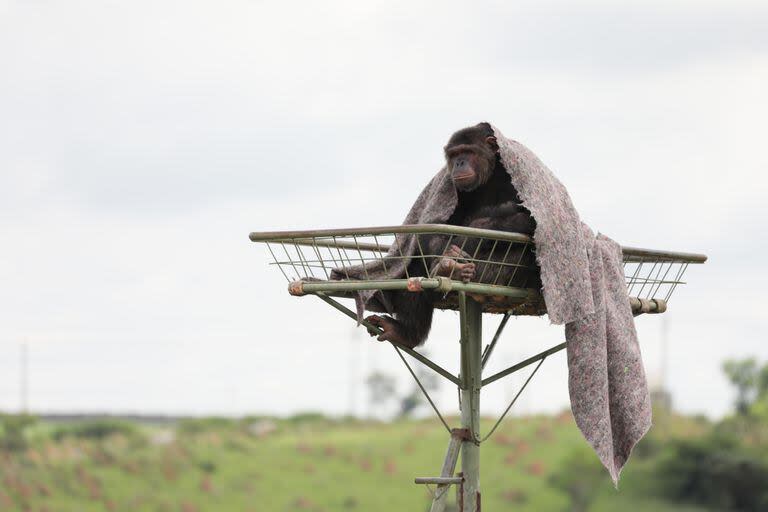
x,y
471,377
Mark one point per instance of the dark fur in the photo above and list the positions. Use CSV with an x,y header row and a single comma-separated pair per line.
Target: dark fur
x,y
487,200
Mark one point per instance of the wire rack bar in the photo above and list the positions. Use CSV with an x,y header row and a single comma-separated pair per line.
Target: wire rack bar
x,y
630,253
445,229
321,261
438,283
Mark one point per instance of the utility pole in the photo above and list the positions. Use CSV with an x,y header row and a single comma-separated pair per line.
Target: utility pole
x,y
662,397
24,388
664,350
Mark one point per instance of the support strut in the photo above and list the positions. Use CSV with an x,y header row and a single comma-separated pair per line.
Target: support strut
x,y
422,359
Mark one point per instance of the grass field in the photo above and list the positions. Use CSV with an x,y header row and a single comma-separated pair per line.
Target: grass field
x,y
315,465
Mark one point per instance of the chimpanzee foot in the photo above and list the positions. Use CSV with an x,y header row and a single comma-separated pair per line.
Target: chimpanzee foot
x,y
448,267
391,331
451,268
466,271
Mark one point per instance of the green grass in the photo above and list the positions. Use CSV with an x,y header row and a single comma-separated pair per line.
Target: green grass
x,y
313,466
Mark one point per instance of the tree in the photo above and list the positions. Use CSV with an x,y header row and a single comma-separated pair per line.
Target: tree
x,y
759,408
718,471
411,401
381,388
762,382
743,374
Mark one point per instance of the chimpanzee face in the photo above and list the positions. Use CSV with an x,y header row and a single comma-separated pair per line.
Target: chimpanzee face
x,y
471,156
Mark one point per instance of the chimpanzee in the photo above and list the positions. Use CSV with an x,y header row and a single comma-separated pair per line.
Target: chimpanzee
x,y
486,199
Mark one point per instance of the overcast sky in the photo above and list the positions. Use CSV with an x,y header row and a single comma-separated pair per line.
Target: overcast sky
x,y
140,143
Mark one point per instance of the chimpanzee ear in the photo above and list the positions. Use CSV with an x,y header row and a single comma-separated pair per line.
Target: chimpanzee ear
x,y
491,141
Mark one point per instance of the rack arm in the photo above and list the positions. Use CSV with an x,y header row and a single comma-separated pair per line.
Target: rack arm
x,y
523,364
422,359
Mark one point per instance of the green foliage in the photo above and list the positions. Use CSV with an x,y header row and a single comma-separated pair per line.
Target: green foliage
x,y
207,466
649,446
96,429
751,432
743,374
248,420
728,467
531,464
762,381
579,476
208,424
307,417
716,470
751,383
12,438
759,409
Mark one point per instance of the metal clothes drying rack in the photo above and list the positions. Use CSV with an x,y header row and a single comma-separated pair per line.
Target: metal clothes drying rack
x,y
307,259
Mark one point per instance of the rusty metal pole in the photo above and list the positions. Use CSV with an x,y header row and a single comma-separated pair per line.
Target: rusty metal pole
x,y
471,315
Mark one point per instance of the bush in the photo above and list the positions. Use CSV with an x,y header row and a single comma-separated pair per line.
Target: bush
x,y
716,471
648,447
95,429
200,425
579,476
307,417
12,427
207,466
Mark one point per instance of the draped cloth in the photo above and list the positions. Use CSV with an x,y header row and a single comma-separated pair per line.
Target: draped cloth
x,y
583,288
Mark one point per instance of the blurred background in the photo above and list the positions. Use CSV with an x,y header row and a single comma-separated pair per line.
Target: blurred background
x,y
151,360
